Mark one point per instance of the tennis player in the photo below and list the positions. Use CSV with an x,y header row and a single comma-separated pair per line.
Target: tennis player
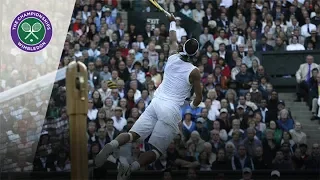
x,y
161,117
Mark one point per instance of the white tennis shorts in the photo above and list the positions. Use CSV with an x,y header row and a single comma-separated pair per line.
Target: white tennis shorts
x,y
160,119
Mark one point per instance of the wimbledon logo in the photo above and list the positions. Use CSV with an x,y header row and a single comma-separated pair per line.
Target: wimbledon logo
x,y
31,31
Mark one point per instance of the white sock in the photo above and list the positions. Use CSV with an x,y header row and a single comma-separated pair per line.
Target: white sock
x,y
114,144
135,166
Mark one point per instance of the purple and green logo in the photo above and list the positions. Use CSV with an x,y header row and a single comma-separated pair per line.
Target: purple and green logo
x,y
31,31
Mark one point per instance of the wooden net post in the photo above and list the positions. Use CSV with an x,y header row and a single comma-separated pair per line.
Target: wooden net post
x,y
77,109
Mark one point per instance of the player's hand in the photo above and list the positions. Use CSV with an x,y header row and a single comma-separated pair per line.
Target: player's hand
x,y
171,18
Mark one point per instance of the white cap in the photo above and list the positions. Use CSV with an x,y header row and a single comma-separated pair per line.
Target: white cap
x,y
275,173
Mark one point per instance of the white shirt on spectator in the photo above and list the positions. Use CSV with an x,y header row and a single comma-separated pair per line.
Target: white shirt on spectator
x,y
93,53
226,3
235,71
119,123
187,13
295,47
137,95
305,29
218,41
141,76
197,15
141,45
104,94
78,54
180,32
213,112
92,114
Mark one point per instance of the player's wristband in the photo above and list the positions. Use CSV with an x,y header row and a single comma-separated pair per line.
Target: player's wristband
x,y
192,106
173,26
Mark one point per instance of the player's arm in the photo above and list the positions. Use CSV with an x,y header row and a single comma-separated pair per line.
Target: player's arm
x,y
196,81
173,35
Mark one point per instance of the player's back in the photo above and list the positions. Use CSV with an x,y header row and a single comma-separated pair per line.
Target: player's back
x,y
175,87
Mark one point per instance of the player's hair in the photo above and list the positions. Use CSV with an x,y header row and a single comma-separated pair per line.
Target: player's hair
x,y
190,47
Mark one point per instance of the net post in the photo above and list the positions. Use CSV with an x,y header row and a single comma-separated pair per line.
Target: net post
x,y
77,109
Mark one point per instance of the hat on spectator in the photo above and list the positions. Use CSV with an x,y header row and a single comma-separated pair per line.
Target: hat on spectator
x,y
106,9
212,24
178,18
275,173
188,111
281,102
200,120
223,110
112,85
240,106
136,63
132,51
44,133
145,50
246,170
157,47
130,120
117,109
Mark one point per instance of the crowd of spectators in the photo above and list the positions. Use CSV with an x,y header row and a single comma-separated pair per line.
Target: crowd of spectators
x,y
241,124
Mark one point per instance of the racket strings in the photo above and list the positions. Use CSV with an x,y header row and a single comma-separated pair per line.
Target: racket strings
x,y
26,27
36,27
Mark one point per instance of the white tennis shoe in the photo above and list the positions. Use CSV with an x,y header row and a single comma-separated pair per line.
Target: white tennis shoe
x,y
124,171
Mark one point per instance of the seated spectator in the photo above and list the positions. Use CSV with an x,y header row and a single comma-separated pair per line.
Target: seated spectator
x,y
295,46
312,161
204,162
277,132
284,122
183,160
208,149
259,160
235,127
281,164
298,136
244,79
297,160
188,125
196,140
241,159
216,141
246,174
203,131
303,76
63,163
222,163
250,142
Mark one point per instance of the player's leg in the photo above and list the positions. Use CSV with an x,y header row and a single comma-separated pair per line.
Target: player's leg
x,y
161,137
141,129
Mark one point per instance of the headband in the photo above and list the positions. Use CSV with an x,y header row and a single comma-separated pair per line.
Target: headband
x,y
184,48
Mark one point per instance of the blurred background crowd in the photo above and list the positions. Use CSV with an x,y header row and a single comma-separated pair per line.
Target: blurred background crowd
x,y
241,124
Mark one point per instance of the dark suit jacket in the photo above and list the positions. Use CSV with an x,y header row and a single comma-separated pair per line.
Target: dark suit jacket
x,y
229,48
241,56
160,40
146,37
38,166
267,118
205,20
221,25
267,47
118,34
115,134
95,78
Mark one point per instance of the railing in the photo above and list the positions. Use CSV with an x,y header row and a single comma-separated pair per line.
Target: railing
x,y
177,175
